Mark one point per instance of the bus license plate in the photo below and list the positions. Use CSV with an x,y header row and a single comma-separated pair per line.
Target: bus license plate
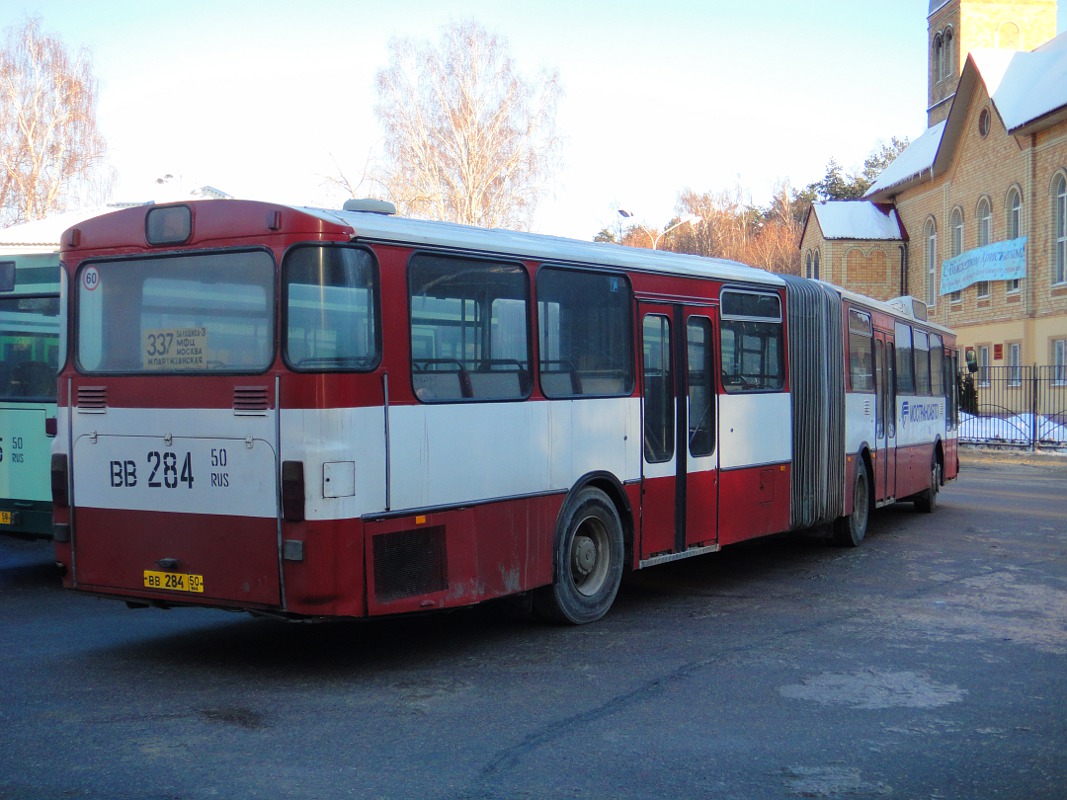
x,y
173,581
5,518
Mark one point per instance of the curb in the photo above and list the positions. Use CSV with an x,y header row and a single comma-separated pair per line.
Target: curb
x,y
976,454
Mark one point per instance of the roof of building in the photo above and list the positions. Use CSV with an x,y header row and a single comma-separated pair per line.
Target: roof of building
x,y
857,219
1029,93
917,159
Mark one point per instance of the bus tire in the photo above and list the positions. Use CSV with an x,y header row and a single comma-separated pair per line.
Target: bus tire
x,y
848,531
926,501
588,561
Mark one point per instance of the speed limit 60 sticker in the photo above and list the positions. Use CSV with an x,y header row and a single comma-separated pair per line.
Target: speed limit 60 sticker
x,y
90,278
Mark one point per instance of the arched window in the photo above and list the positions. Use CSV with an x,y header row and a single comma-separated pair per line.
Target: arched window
x,y
807,270
815,266
947,67
939,58
1008,36
1013,219
984,217
985,222
956,242
1059,228
931,262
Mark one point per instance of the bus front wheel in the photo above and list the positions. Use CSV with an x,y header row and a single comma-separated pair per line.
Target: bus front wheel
x,y
588,561
850,530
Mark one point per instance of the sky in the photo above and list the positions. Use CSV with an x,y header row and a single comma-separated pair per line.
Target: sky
x,y
267,99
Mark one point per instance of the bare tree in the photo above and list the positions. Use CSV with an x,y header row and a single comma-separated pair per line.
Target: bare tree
x,y
731,227
50,148
467,138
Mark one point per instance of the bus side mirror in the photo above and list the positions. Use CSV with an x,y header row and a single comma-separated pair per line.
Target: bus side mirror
x,y
972,361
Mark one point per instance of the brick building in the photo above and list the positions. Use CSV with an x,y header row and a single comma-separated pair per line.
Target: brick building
x,y
979,200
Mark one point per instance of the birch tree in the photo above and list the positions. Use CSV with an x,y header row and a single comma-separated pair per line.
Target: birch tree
x,y
50,148
467,138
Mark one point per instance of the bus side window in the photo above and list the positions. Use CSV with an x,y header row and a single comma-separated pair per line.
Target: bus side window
x,y
751,342
905,364
469,323
921,350
585,324
860,362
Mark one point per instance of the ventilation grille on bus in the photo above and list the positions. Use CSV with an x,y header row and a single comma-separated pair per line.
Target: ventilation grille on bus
x,y
409,563
250,399
92,399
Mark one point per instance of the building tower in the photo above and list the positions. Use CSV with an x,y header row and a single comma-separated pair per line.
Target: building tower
x,y
956,27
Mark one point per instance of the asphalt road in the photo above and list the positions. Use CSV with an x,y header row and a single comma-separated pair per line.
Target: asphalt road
x,y
930,663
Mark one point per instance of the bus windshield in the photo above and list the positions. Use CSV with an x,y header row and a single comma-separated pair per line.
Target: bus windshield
x,y
206,312
29,348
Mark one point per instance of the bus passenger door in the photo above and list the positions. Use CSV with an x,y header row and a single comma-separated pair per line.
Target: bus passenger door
x,y
678,496
885,470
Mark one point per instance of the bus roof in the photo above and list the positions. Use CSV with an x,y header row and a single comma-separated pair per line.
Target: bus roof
x,y
901,307
386,228
125,228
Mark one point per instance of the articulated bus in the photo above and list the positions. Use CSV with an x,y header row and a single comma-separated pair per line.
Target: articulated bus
x,y
30,353
343,413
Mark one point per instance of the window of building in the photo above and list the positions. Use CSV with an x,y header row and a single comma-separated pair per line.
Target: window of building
x,y
983,364
983,123
931,263
956,226
815,266
939,58
1059,224
1059,362
1014,220
807,271
948,69
985,222
1015,358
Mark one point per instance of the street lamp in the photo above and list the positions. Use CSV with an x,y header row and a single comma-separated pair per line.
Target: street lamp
x,y
688,219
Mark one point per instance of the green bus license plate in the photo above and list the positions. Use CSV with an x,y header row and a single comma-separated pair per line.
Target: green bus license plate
x,y
174,581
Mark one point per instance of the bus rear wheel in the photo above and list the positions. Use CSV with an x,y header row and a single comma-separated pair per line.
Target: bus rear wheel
x,y
588,561
850,530
926,501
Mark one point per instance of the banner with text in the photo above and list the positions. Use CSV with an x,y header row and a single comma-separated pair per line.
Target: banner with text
x,y
1000,261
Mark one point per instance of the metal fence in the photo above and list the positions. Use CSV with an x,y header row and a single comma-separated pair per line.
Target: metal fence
x,y
1018,407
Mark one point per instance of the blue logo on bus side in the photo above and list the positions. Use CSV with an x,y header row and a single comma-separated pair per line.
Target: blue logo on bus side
x,y
919,412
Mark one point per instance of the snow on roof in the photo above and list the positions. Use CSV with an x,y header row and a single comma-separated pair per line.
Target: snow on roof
x,y
45,233
916,159
1025,86
857,219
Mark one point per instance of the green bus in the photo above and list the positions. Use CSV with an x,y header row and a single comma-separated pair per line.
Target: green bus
x,y
31,350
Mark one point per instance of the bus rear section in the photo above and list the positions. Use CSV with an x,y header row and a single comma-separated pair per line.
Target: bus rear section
x,y
169,471
30,348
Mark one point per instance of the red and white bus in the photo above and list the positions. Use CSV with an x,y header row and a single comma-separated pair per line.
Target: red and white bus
x,y
316,413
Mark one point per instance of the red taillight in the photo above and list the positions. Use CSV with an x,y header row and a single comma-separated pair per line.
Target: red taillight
x,y
293,491
60,493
